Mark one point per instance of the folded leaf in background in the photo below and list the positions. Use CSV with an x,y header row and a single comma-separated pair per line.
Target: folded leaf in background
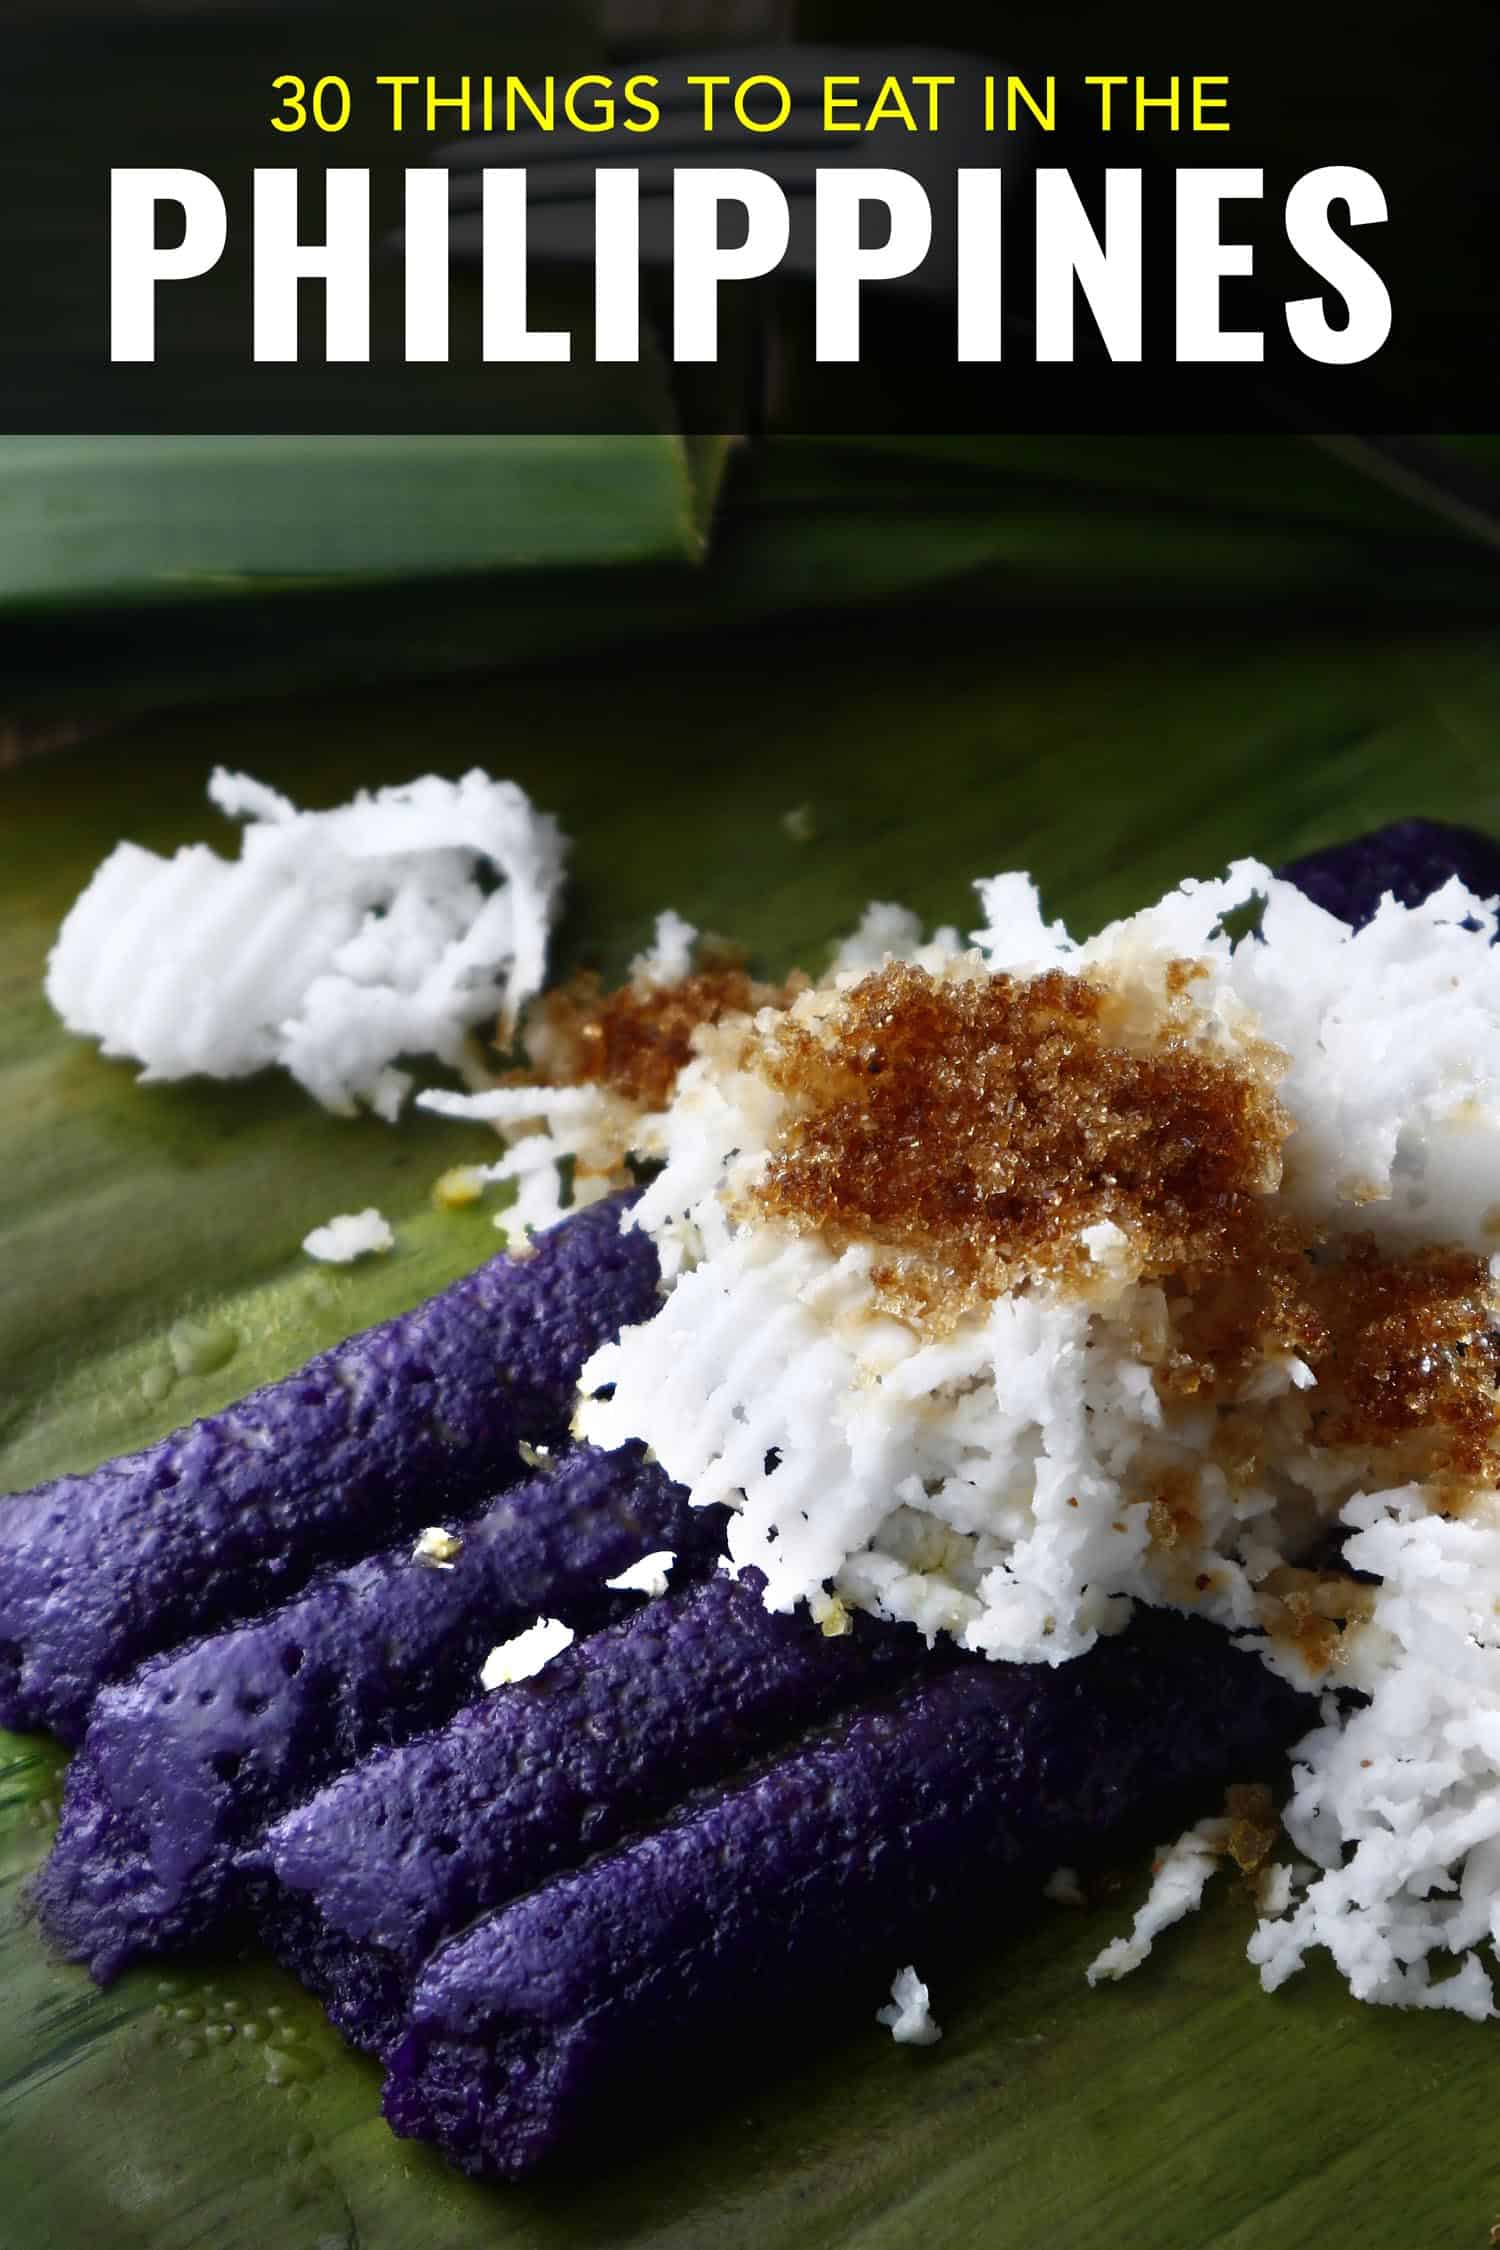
x,y
1090,526
88,523
108,520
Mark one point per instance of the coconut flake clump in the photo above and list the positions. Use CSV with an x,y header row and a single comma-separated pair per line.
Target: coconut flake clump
x,y
1178,1881
437,1548
335,944
525,1654
1016,1455
354,1234
909,2016
886,932
648,1576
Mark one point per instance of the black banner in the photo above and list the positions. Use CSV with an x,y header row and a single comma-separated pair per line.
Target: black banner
x,y
936,219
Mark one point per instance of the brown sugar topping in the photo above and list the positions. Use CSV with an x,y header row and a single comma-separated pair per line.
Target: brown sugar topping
x,y
635,1041
1254,1825
1404,1350
972,1128
1409,1357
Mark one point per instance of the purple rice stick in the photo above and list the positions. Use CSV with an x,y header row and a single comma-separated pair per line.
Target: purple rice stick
x,y
414,1842
1409,858
190,1758
789,1898
409,1422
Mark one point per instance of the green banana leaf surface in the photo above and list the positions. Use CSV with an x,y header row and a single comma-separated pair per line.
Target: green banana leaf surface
x,y
151,1270
141,519
767,531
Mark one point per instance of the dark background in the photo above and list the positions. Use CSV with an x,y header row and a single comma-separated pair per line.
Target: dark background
x,y
1410,98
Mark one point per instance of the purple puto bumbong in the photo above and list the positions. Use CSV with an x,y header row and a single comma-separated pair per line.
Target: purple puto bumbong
x,y
790,1897
187,1761
611,1734
1410,858
409,1422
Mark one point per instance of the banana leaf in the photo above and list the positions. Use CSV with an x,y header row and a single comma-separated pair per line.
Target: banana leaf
x,y
149,1237
1083,524
110,519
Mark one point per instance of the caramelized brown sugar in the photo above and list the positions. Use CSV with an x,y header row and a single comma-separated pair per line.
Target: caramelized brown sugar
x,y
1254,1825
977,1126
1403,1349
634,1041
973,1127
1408,1357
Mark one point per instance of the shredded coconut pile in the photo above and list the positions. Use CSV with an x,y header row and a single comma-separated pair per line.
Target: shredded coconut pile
x,y
336,943
1397,1801
1135,1410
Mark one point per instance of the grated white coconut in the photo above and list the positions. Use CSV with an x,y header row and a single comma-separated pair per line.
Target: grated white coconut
x,y
437,1548
648,1576
353,1234
589,1127
524,1655
1178,1881
1397,1802
886,932
1276,1887
985,1482
669,957
909,2016
336,943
